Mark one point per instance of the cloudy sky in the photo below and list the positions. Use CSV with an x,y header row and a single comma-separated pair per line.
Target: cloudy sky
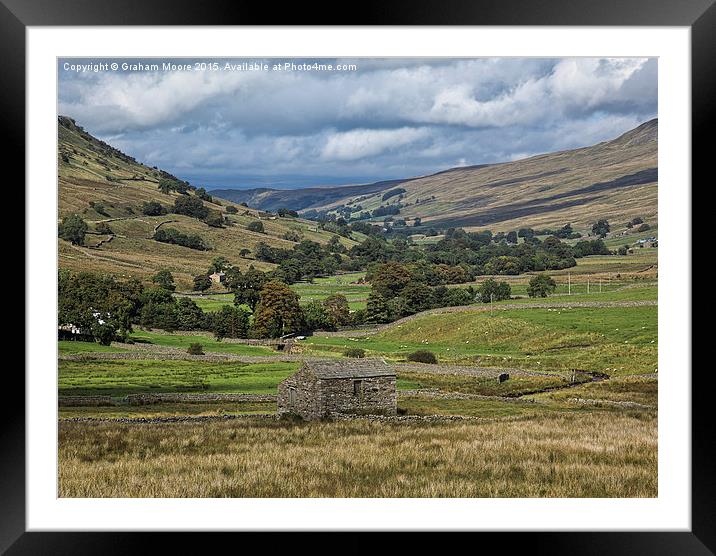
x,y
385,118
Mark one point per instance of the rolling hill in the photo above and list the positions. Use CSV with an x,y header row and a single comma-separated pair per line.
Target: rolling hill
x,y
267,198
102,184
614,179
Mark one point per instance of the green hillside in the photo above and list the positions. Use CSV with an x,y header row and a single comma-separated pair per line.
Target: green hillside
x,y
102,184
614,179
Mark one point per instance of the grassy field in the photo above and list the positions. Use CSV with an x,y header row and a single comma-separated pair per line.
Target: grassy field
x,y
614,340
65,346
125,411
183,341
318,290
322,288
600,454
213,302
121,377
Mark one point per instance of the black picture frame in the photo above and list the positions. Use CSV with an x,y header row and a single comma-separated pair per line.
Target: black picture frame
x,y
16,15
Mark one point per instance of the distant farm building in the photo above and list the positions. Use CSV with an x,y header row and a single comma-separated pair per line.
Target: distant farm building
x,y
218,277
356,387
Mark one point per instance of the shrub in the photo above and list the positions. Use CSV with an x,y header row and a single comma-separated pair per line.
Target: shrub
x,y
202,282
354,352
423,356
73,229
541,285
643,228
491,290
191,206
171,235
292,235
103,228
256,226
98,208
231,209
195,349
215,219
153,208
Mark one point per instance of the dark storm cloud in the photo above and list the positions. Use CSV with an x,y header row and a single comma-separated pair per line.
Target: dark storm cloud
x,y
390,118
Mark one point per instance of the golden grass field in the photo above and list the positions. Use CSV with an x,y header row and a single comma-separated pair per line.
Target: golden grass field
x,y
600,454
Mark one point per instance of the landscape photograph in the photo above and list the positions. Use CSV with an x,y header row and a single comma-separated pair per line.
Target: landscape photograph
x,y
357,278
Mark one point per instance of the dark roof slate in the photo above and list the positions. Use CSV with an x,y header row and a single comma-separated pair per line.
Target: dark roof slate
x,y
353,368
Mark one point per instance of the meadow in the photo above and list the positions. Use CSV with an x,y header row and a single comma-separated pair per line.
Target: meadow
x,y
544,432
600,454
209,343
121,377
613,340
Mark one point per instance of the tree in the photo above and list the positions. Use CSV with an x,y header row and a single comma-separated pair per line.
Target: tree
x,y
153,208
256,226
643,228
389,279
512,237
231,322
158,309
202,282
316,317
174,236
337,309
189,315
416,297
98,305
191,206
377,310
73,229
526,232
247,286
601,227
165,280
244,253
491,290
230,209
541,285
218,264
278,312
214,219
202,194
503,265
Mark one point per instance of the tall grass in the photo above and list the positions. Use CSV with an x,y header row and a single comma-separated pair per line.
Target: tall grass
x,y
599,454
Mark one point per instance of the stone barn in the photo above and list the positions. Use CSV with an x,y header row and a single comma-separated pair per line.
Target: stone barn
x,y
356,386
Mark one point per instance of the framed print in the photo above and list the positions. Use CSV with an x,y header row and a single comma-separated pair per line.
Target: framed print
x,y
400,274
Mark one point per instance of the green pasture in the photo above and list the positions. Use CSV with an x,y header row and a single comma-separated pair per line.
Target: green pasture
x,y
614,340
65,346
208,343
118,378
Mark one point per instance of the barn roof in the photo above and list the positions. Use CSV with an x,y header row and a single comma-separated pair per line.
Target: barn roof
x,y
354,368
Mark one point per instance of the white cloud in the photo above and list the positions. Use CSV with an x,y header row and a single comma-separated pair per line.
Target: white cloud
x,y
391,118
361,143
